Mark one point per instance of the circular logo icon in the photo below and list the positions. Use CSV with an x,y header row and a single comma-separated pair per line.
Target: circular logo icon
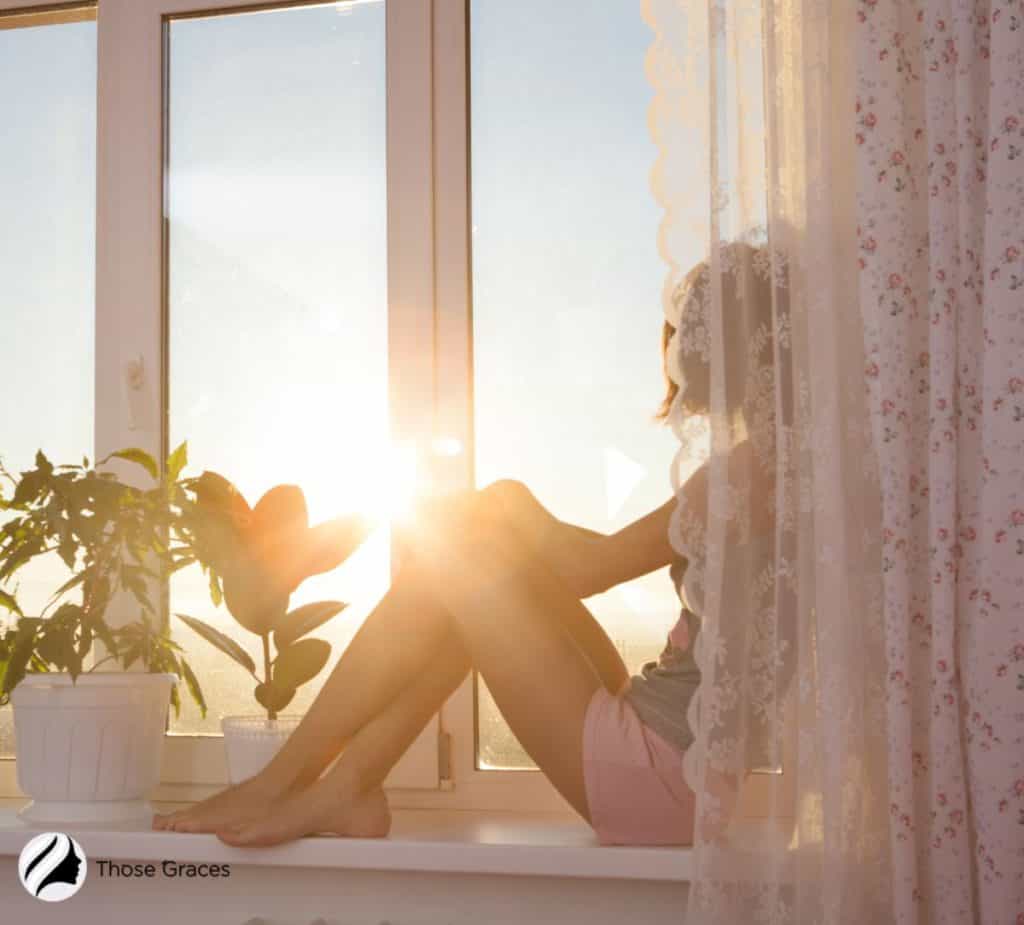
x,y
52,867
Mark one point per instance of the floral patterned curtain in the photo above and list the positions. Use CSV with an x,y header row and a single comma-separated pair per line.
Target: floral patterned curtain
x,y
843,189
940,161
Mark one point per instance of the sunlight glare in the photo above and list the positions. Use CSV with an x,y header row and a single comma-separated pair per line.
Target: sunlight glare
x,y
403,478
446,446
413,475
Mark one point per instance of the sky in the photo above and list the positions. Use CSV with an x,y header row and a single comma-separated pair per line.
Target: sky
x,y
277,277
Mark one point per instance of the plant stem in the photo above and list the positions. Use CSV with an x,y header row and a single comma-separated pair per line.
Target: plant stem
x,y
100,662
271,714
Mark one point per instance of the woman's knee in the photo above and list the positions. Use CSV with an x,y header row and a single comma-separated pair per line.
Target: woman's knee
x,y
457,529
503,500
472,538
510,500
503,493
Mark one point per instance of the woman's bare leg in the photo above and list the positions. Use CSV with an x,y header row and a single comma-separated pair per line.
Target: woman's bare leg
x,y
540,680
409,612
397,642
369,755
349,800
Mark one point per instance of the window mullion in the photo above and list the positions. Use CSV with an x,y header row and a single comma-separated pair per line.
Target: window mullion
x,y
452,420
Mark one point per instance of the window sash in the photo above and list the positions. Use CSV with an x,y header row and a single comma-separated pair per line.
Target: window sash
x,y
131,321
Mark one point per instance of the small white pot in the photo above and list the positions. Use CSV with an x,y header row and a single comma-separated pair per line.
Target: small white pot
x,y
89,752
251,741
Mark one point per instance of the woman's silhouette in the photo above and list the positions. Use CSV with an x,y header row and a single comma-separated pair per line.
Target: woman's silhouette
x,y
492,580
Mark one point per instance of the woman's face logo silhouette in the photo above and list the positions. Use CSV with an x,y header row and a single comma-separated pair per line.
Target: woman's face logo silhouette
x,y
52,866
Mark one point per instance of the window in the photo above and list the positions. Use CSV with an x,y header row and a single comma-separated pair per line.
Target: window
x,y
565,243
305,226
284,259
282,243
47,254
277,289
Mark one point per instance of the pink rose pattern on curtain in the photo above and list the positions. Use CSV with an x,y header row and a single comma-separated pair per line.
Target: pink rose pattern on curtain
x,y
940,154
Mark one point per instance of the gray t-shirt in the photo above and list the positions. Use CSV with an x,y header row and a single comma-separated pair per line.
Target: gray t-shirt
x,y
661,693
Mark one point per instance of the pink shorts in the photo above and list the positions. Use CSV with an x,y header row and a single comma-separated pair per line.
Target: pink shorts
x,y
633,777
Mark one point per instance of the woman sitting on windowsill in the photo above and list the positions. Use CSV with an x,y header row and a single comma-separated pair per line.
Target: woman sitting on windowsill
x,y
493,581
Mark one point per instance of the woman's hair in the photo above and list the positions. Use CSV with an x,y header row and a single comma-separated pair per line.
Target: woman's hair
x,y
747,316
671,389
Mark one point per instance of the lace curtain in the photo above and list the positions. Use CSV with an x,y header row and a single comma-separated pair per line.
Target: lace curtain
x,y
843,193
778,520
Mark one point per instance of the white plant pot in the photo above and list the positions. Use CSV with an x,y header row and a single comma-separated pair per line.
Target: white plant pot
x,y
89,752
251,741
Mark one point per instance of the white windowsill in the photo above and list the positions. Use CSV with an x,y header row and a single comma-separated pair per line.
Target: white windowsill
x,y
440,841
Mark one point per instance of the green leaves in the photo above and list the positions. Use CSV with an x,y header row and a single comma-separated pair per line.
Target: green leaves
x,y
22,648
292,668
177,461
62,642
329,544
110,535
28,488
216,591
137,456
300,662
43,465
254,558
304,620
192,683
180,562
225,643
213,516
212,490
273,698
8,602
251,597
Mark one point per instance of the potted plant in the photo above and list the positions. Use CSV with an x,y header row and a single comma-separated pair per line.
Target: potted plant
x,y
88,741
255,559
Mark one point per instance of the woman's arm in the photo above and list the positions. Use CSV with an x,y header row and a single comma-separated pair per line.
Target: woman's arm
x,y
637,549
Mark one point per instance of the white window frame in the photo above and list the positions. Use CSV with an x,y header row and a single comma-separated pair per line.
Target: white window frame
x,y
429,274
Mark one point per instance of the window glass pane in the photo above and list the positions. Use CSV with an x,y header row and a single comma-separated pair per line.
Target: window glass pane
x,y
47,249
277,291
567,290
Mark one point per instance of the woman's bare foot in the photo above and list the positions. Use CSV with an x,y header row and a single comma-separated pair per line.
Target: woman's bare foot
x,y
317,809
239,803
